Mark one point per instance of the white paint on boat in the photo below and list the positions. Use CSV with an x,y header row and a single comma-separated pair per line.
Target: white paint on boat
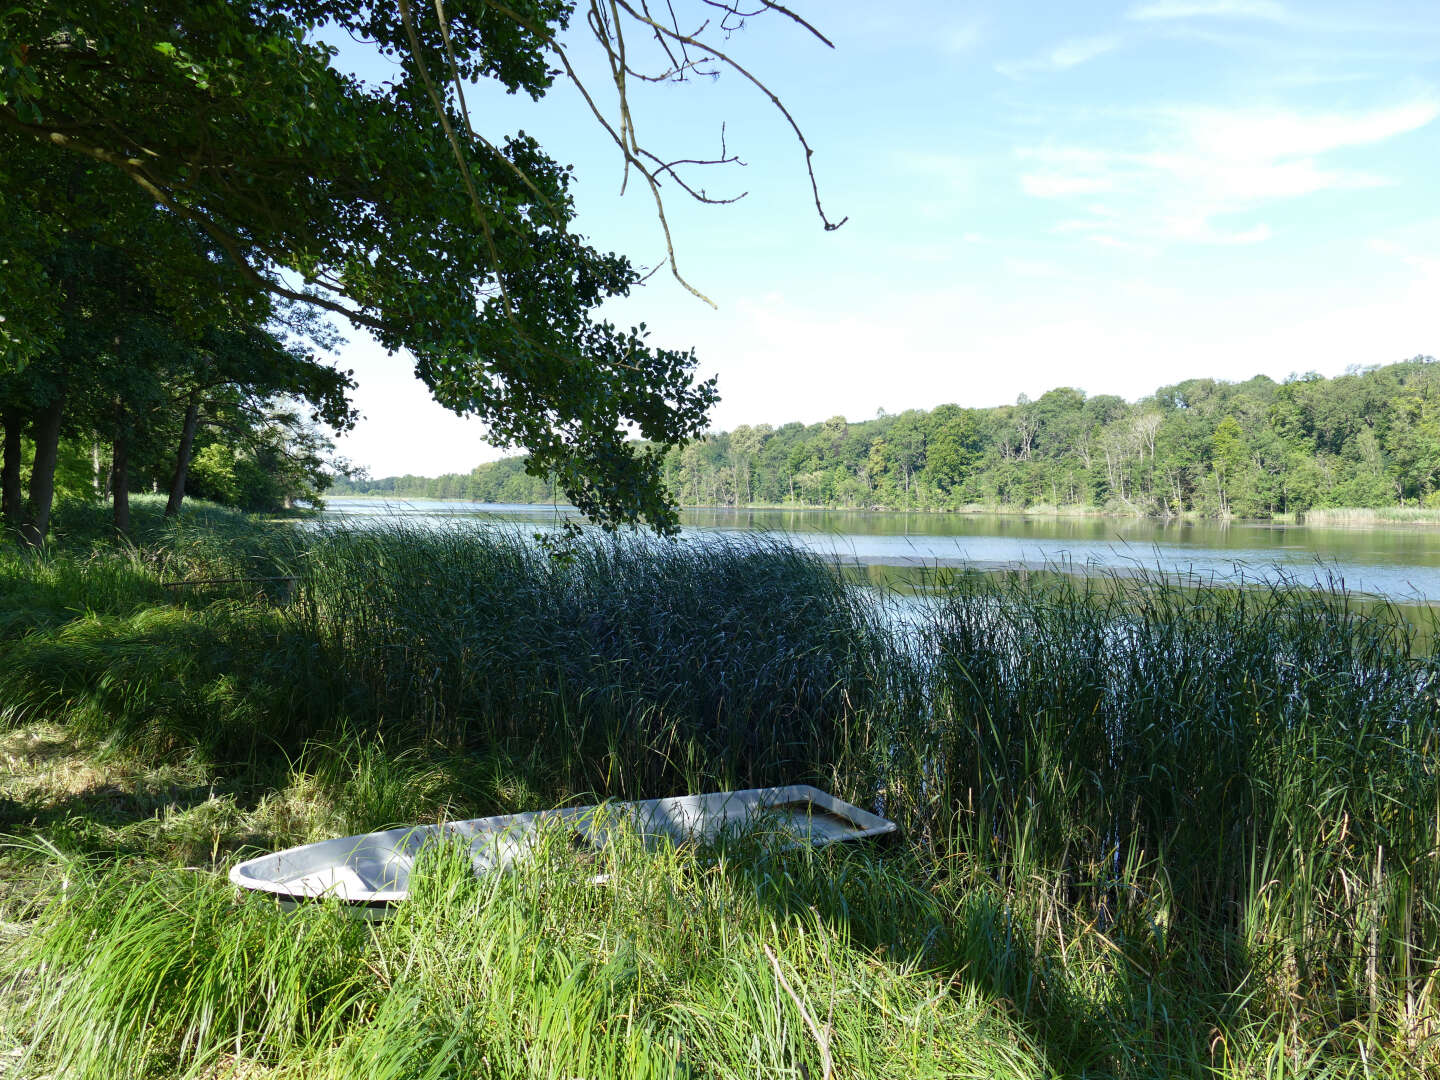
x,y
374,868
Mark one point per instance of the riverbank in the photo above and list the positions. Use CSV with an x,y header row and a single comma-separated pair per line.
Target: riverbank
x,y
1148,830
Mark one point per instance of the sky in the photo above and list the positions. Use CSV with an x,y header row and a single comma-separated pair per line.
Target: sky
x,y
1109,196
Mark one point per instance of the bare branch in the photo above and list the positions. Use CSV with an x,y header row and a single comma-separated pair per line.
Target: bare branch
x,y
767,5
755,82
615,137
604,18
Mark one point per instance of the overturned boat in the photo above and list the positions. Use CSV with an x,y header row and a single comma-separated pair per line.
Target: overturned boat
x,y
373,870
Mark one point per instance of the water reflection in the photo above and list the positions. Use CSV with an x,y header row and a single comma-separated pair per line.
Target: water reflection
x,y
1401,562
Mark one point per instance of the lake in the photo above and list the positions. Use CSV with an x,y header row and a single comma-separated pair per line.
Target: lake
x,y
1397,561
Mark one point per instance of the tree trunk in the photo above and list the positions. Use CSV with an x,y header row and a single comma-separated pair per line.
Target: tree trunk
x,y
182,458
10,471
120,480
42,475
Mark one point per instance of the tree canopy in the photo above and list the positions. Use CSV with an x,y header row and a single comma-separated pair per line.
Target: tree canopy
x,y
376,202
1369,438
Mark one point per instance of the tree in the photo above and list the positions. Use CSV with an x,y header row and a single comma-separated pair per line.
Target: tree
x,y
232,379
280,461
1227,457
953,446
151,322
128,289
745,445
384,205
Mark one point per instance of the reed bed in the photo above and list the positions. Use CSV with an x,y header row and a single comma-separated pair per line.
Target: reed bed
x,y
1151,828
1428,515
1239,787
653,666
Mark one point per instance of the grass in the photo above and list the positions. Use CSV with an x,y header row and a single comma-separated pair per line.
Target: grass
x,y
1151,828
679,965
1372,516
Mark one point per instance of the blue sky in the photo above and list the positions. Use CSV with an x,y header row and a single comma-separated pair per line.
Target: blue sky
x,y
1106,196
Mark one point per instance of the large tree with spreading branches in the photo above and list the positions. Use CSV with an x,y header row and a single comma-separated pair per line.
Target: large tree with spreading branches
x,y
383,204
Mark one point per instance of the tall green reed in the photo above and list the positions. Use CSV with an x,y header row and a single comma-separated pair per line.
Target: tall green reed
x,y
1245,781
648,665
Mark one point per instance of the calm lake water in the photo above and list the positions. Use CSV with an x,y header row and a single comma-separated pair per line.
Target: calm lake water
x,y
1401,562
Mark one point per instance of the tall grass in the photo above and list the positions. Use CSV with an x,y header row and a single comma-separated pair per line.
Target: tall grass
x,y
1153,828
1241,785
679,965
1372,516
647,666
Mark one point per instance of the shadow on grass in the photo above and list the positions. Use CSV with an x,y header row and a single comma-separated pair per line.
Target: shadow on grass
x,y
1104,1005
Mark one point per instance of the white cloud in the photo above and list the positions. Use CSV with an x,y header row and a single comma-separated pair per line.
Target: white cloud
x,y
1098,233
1307,76
1427,265
1363,19
1063,171
1272,133
1106,240
1034,268
1201,230
1071,170
1255,179
1068,54
1056,184
1206,163
1190,9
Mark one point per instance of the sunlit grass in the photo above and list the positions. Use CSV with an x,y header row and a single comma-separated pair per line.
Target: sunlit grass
x,y
680,963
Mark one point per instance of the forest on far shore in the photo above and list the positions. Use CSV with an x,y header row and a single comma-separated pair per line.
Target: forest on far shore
x,y
1368,438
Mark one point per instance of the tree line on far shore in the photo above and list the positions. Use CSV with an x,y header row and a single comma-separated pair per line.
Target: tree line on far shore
x,y
1368,438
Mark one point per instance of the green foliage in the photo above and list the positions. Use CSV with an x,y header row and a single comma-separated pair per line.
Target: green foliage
x,y
1255,449
213,475
149,347
229,128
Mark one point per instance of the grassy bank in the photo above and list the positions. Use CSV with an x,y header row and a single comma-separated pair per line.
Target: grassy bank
x,y
1150,829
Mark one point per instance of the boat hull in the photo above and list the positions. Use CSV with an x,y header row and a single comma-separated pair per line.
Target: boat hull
x,y
373,870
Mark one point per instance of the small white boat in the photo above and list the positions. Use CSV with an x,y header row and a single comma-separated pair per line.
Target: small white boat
x,y
373,870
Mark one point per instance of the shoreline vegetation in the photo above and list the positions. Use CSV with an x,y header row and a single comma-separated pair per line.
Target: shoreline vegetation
x,y
1148,828
1203,448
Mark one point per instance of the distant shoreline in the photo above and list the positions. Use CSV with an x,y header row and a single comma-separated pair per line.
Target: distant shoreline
x,y
1356,517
